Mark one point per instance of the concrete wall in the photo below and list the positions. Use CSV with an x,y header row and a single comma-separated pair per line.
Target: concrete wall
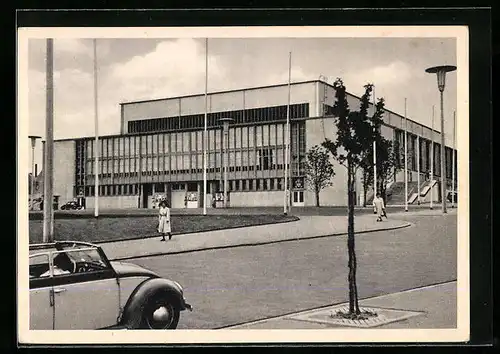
x,y
250,199
115,202
64,170
217,102
316,131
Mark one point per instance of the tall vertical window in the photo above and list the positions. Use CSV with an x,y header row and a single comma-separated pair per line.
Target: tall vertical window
x,y
259,135
244,137
251,135
265,158
280,134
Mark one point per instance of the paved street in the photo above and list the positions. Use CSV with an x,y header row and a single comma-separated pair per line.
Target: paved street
x,y
237,285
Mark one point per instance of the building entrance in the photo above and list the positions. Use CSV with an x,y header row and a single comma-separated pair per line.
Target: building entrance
x,y
298,198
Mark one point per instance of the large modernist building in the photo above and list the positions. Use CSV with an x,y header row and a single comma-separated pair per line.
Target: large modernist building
x,y
160,150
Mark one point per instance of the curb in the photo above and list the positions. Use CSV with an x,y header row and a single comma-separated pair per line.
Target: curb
x,y
334,304
258,243
72,215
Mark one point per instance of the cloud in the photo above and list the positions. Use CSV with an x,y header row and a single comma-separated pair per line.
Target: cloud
x,y
172,68
390,75
297,74
72,45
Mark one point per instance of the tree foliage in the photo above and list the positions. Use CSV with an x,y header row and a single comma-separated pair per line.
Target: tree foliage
x,y
356,132
318,169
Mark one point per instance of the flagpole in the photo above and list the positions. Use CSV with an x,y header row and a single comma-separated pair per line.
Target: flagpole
x,y
287,141
205,133
432,159
406,162
48,196
418,164
96,122
374,151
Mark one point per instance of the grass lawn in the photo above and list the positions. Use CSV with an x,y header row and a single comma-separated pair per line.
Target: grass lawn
x,y
107,229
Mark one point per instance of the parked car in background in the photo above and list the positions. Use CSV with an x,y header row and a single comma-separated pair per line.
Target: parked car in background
x,y
71,205
74,286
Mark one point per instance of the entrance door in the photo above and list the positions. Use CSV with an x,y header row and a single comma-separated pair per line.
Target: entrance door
x,y
147,193
298,198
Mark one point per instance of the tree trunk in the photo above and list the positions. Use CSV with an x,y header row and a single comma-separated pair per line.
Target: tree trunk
x,y
353,292
317,197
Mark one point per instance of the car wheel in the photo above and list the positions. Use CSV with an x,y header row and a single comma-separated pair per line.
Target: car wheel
x,y
160,312
63,207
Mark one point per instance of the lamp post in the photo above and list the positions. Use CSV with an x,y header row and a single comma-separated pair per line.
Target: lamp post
x,y
32,184
225,148
440,72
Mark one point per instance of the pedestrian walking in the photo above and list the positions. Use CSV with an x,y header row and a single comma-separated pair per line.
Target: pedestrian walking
x,y
164,227
379,207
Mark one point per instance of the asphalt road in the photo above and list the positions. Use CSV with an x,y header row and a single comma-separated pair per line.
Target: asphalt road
x,y
232,286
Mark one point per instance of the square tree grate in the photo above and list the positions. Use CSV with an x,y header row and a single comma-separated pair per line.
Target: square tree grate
x,y
384,316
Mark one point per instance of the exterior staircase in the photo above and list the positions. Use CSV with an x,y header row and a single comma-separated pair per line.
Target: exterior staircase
x,y
427,187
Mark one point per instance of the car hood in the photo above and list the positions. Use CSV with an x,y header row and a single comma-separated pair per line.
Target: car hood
x,y
124,269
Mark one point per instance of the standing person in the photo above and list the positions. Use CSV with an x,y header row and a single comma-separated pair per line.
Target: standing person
x,y
378,204
164,227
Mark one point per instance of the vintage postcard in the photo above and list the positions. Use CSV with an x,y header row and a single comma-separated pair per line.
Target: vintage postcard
x,y
243,185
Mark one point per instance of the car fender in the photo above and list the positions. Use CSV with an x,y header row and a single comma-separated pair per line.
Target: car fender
x,y
135,304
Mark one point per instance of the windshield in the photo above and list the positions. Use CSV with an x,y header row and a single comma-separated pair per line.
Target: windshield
x,y
83,253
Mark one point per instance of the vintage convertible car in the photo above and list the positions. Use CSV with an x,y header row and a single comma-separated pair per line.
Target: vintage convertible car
x,y
74,286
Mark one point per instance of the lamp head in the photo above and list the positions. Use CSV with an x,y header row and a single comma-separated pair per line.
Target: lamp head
x,y
33,140
440,72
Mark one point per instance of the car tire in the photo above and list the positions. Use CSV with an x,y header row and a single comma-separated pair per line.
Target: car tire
x,y
160,305
63,207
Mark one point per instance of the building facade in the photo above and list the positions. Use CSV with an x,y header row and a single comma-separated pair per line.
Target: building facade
x,y
160,150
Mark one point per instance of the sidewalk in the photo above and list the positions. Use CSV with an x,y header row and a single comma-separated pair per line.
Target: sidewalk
x,y
306,228
436,304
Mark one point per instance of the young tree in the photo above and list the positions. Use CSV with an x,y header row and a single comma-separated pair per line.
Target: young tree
x,y
354,140
318,170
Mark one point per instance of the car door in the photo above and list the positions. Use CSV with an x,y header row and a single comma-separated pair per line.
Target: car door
x,y
41,302
86,298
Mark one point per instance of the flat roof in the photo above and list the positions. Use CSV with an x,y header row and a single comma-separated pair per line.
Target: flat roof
x,y
260,88
235,90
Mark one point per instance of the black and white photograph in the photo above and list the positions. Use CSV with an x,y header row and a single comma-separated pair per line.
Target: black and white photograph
x,y
264,184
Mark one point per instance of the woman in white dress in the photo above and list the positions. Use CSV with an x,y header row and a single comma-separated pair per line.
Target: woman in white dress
x,y
164,227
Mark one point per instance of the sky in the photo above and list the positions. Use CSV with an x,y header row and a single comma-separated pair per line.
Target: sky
x,y
145,68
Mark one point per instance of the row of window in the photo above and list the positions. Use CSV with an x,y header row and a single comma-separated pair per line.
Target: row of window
x,y
186,142
196,121
261,159
268,157
424,155
237,185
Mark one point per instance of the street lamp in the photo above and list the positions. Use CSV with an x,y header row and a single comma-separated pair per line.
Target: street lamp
x,y
225,148
440,72
33,143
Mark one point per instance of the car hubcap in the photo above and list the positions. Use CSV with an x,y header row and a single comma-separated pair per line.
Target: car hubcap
x,y
161,317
